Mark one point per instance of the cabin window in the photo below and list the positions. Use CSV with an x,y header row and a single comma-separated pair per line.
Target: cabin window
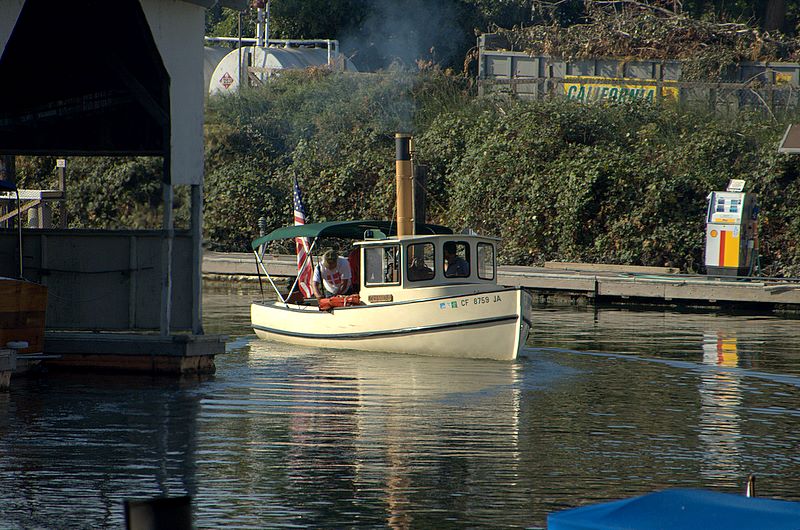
x,y
485,261
421,262
381,265
456,259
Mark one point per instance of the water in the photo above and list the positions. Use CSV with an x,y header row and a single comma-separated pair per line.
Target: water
x,y
605,405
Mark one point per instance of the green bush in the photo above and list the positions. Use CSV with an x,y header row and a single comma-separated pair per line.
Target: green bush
x,y
560,180
334,133
556,179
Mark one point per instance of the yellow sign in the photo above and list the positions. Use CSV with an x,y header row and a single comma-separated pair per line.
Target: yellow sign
x,y
783,78
587,89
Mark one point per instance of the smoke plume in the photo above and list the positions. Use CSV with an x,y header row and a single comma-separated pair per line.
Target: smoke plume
x,y
407,31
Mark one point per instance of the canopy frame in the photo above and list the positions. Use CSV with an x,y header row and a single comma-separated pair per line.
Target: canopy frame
x,y
340,229
343,229
259,253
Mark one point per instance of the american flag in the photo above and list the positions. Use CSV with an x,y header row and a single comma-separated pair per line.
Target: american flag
x,y
304,271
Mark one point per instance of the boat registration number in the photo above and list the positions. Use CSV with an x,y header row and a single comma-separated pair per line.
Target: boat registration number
x,y
477,300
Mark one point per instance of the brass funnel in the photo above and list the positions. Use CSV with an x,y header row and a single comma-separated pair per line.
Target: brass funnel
x,y
405,174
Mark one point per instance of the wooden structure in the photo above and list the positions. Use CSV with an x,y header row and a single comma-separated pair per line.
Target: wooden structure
x,y
22,314
137,92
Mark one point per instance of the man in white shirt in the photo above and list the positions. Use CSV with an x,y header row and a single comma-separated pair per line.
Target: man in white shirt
x,y
332,275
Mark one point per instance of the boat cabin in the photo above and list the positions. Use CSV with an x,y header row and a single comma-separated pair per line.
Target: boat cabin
x,y
390,266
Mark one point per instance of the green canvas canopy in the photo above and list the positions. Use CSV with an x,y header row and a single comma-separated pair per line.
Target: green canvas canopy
x,y
344,229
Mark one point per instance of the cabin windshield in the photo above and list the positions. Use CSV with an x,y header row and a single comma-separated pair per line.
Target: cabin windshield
x,y
420,262
486,263
456,259
381,265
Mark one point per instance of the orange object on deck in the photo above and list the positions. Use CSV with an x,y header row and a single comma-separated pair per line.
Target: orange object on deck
x,y
326,304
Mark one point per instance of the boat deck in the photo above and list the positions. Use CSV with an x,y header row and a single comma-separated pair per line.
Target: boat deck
x,y
582,283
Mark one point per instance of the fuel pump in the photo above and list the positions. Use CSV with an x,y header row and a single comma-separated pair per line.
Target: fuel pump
x,y
731,231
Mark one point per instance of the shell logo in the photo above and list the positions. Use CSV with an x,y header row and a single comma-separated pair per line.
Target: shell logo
x,y
713,233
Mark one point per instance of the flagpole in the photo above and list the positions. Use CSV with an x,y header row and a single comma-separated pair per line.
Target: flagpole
x,y
297,278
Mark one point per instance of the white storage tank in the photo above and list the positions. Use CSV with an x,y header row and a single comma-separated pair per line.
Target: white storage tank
x,y
261,63
212,56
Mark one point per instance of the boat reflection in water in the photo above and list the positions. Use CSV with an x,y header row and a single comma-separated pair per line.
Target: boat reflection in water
x,y
390,427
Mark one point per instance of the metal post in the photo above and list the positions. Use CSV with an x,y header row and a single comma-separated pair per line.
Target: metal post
x,y
262,231
260,28
168,224
330,59
61,164
197,259
240,50
166,250
19,231
266,27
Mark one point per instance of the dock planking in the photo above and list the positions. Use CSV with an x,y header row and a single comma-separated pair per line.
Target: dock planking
x,y
592,283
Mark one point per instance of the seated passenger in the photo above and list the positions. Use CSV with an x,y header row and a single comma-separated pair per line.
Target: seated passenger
x,y
419,271
331,276
454,265
353,259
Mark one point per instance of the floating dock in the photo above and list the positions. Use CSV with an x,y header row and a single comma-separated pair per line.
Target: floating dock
x,y
176,354
578,283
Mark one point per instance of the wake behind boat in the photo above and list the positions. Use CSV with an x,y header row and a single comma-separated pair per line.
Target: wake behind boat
x,y
422,290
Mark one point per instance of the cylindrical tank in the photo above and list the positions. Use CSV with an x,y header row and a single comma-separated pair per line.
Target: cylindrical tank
x,y
211,58
260,63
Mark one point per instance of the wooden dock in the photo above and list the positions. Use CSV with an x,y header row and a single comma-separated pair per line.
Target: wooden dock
x,y
577,283
176,354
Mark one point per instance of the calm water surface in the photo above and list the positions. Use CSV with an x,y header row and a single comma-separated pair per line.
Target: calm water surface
x,y
605,404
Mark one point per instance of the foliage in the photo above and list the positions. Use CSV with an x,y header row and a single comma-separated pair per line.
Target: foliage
x,y
556,179
376,33
613,184
290,19
706,49
333,132
105,192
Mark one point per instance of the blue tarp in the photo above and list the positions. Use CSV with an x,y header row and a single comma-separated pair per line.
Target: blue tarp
x,y
681,508
6,185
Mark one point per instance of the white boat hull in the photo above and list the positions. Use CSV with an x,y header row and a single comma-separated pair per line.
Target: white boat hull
x,y
492,324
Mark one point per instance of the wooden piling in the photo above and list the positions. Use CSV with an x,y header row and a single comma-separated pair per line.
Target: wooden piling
x,y
8,361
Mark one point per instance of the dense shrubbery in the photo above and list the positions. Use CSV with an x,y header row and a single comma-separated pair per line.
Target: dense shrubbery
x,y
709,50
614,184
334,133
108,193
557,180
